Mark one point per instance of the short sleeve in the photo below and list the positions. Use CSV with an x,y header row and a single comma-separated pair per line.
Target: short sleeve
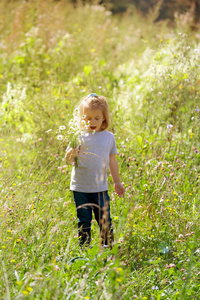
x,y
113,149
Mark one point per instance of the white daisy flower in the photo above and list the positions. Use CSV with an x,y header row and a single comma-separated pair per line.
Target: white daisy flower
x,y
59,137
62,127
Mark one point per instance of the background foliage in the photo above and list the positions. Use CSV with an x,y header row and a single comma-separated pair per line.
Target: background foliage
x,y
52,55
167,9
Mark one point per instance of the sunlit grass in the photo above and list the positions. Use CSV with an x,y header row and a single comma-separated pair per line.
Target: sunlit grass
x,y
150,76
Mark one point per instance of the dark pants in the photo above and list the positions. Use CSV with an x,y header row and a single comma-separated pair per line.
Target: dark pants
x,y
99,203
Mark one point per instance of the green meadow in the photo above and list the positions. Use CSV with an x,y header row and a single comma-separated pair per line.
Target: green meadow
x,y
51,56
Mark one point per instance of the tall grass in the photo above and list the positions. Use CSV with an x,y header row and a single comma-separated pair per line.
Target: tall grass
x,y
51,55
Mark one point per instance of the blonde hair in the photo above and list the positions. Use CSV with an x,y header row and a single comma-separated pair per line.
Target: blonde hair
x,y
94,101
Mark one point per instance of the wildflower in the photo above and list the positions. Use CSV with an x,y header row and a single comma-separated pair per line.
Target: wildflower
x,y
25,293
75,118
197,109
155,288
169,126
83,122
40,139
196,50
163,294
60,137
62,127
57,268
172,265
180,236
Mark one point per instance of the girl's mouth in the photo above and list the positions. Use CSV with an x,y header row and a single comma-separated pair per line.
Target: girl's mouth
x,y
92,127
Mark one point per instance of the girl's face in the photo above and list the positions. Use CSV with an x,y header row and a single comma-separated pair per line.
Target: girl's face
x,y
94,118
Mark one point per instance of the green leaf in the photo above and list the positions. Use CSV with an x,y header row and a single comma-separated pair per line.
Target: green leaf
x,y
87,70
139,140
77,258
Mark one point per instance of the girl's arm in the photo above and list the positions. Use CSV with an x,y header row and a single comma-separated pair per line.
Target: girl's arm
x,y
71,154
114,170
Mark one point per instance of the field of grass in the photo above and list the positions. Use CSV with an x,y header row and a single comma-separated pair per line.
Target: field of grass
x,y
51,56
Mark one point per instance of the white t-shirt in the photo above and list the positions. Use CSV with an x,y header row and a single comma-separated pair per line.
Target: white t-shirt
x,y
93,160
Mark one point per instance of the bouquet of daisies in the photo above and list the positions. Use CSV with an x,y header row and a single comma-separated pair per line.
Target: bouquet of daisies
x,y
74,132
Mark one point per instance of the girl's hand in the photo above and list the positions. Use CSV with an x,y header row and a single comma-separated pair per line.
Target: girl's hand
x,y
119,189
71,154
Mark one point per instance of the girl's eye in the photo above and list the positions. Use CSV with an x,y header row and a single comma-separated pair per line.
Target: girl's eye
x,y
97,119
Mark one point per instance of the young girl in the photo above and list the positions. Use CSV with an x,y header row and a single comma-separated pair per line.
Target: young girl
x,y
89,179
